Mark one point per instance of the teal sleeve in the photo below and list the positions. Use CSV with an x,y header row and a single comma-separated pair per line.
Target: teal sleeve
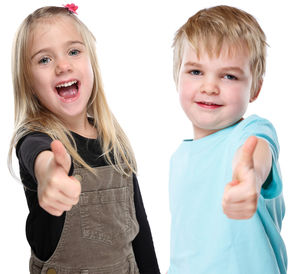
x,y
262,128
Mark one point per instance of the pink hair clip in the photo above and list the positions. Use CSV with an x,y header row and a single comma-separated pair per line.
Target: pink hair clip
x,y
71,7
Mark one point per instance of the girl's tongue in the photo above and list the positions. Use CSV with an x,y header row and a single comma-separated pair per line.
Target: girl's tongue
x,y
67,92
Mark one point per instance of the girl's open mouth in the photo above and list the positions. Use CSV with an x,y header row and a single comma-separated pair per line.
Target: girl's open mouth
x,y
67,90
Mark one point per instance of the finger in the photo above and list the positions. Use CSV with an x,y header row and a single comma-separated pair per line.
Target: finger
x,y
239,216
245,161
239,207
231,192
227,196
243,210
57,200
239,193
233,183
61,156
53,211
64,202
248,151
71,189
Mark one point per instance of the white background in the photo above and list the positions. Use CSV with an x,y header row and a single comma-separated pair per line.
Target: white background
x,y
134,40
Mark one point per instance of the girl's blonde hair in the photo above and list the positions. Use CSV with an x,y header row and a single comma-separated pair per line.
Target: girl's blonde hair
x,y
31,116
211,29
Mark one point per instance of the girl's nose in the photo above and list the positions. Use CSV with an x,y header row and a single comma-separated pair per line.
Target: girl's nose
x,y
62,66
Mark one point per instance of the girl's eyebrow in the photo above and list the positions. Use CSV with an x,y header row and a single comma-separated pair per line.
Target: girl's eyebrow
x,y
68,43
40,51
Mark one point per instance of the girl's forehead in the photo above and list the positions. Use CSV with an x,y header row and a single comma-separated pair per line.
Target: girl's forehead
x,y
48,27
53,21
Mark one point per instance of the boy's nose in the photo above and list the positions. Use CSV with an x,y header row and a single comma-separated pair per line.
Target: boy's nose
x,y
210,89
62,66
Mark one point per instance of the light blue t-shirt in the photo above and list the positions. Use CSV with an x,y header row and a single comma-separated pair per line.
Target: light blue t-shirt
x,y
203,239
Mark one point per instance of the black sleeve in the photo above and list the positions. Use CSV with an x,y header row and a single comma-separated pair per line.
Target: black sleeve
x,y
42,229
143,245
27,150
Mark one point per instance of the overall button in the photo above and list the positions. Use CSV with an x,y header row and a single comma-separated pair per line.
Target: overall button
x,y
51,271
78,177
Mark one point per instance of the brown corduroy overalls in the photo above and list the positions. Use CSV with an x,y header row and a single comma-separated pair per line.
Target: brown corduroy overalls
x,y
98,232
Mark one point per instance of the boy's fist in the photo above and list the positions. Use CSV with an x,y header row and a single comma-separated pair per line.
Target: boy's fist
x,y
241,194
57,192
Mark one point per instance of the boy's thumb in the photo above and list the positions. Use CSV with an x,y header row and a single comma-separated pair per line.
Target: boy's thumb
x,y
61,156
248,150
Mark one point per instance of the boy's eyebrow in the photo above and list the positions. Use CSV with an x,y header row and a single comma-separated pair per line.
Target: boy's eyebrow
x,y
192,64
69,43
230,68
237,69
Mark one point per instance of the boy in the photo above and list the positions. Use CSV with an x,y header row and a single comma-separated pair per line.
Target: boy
x,y
232,162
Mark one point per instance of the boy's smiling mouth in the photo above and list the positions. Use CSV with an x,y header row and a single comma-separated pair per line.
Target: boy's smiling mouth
x,y
208,105
68,91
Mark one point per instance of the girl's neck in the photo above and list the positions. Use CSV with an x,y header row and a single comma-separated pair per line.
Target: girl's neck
x,y
83,128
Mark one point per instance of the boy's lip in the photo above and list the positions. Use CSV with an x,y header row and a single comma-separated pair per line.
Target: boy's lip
x,y
208,104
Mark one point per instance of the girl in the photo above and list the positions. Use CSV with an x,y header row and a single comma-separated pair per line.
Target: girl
x,y
86,213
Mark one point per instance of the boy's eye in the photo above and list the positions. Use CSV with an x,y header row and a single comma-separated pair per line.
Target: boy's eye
x,y
44,60
74,52
230,77
195,72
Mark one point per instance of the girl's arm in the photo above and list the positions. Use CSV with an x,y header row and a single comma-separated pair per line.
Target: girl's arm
x,y
143,245
251,167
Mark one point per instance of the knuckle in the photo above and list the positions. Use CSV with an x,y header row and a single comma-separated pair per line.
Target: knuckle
x,y
77,191
68,207
44,201
48,196
227,200
42,204
76,201
224,205
52,184
58,213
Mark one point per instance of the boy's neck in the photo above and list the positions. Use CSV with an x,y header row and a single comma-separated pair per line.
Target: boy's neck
x,y
198,134
203,133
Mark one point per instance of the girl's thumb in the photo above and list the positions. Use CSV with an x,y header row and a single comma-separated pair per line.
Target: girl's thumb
x,y
61,156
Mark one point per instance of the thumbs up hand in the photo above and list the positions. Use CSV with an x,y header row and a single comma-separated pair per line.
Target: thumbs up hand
x,y
57,192
241,194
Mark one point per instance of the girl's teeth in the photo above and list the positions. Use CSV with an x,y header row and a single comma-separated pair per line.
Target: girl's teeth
x,y
66,84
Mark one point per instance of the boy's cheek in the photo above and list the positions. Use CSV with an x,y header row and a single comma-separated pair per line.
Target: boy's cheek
x,y
186,88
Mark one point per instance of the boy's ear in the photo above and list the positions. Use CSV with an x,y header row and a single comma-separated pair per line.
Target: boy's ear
x,y
258,89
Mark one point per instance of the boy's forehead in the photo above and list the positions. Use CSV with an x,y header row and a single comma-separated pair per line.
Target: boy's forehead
x,y
213,48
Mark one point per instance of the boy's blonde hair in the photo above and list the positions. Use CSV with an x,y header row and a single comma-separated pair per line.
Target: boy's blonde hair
x,y
31,116
211,29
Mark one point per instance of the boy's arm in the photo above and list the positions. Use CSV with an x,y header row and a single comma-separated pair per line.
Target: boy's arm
x,y
251,167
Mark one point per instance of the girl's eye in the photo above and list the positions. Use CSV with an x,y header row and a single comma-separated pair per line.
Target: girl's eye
x,y
195,72
44,60
74,52
230,77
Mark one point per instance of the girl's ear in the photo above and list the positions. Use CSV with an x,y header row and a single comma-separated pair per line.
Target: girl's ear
x,y
258,89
